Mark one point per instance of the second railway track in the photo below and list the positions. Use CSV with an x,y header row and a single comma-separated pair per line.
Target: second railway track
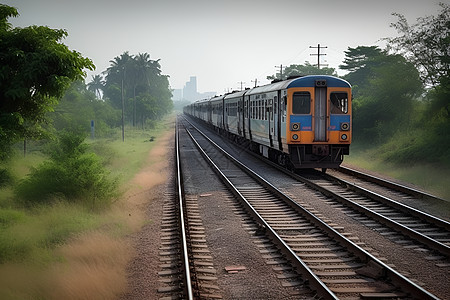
x,y
333,265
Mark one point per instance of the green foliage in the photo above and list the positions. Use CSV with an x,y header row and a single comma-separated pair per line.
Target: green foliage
x,y
386,95
425,44
72,174
303,70
32,235
35,70
360,62
69,145
146,92
5,177
391,110
78,107
96,85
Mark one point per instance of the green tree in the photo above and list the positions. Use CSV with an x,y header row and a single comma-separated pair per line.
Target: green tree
x,y
361,62
79,106
35,70
387,90
145,90
96,85
303,70
117,77
425,44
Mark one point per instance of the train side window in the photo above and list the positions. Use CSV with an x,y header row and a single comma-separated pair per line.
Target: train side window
x,y
275,105
253,109
339,103
259,110
301,103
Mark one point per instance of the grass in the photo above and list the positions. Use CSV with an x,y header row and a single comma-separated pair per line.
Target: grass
x,y
432,178
67,251
127,157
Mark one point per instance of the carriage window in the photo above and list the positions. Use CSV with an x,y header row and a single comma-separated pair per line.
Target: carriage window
x,y
253,109
301,103
339,103
259,110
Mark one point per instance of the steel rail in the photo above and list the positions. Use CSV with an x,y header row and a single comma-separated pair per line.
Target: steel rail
x,y
389,184
429,242
180,191
396,277
314,281
402,207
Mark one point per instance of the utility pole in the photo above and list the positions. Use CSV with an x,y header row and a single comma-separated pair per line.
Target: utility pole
x,y
256,82
123,110
319,54
281,71
241,82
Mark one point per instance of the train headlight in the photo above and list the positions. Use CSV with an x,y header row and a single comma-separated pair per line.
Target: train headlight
x,y
295,137
295,126
344,137
345,126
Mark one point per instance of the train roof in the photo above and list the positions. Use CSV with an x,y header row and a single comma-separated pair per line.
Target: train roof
x,y
235,94
216,98
305,81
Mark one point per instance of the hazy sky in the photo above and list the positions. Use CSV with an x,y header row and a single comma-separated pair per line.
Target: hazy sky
x,y
221,42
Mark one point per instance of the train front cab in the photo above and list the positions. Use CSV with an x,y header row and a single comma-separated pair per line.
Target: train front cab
x,y
318,127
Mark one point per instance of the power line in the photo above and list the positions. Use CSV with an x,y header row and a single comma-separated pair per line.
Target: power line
x,y
319,54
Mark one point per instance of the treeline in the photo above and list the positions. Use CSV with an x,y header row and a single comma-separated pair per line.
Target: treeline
x,y
44,100
132,84
136,82
401,94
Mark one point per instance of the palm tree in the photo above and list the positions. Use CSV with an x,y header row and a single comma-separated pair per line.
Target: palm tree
x,y
119,67
117,73
96,85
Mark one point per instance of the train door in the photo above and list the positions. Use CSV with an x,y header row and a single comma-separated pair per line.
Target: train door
x,y
270,121
276,121
225,116
239,115
244,124
320,112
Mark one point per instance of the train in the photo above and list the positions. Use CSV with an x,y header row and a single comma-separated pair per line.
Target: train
x,y
303,122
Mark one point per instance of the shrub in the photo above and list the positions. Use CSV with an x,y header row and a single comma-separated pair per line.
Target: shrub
x,y
5,177
71,174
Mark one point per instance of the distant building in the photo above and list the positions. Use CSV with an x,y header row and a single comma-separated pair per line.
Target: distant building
x,y
190,93
190,90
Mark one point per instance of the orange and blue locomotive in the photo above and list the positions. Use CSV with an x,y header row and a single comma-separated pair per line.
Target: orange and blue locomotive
x,y
303,122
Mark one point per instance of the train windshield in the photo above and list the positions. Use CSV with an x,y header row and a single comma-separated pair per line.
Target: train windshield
x,y
301,103
339,103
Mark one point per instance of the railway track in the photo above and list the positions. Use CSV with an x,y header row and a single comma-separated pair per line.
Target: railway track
x,y
187,268
176,248
400,191
383,207
333,265
417,225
